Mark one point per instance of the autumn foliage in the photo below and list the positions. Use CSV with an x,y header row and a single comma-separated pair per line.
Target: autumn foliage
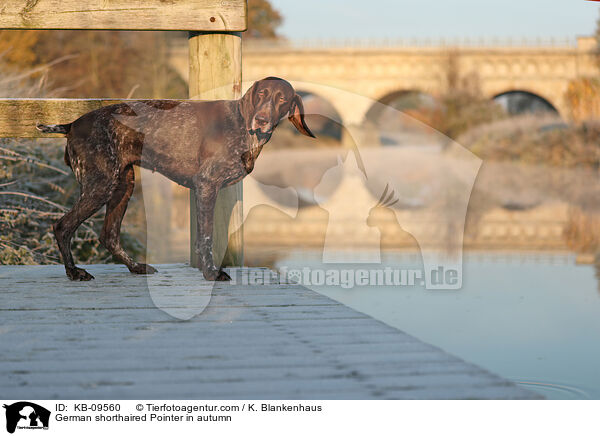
x,y
583,99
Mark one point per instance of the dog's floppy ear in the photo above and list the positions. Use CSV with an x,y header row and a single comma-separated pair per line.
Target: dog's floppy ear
x,y
296,116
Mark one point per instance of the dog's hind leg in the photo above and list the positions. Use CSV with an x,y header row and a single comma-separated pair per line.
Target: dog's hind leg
x,y
89,202
111,230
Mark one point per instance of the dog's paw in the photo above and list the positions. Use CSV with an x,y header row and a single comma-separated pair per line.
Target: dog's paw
x,y
216,275
79,274
142,268
223,276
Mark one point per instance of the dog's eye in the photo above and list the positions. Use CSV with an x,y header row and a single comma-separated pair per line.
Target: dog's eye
x,y
281,100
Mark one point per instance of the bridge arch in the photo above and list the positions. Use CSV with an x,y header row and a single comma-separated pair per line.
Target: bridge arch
x,y
321,114
400,100
326,94
520,101
401,115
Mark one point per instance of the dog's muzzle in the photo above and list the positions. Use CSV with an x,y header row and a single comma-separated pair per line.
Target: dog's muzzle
x,y
259,134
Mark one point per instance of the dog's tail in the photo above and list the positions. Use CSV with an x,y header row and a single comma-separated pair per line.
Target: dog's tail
x,y
57,128
54,128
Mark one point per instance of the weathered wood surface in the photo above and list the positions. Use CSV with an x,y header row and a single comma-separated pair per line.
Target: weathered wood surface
x,y
106,339
213,15
216,73
19,116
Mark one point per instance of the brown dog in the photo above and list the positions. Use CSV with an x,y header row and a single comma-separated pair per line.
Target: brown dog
x,y
204,145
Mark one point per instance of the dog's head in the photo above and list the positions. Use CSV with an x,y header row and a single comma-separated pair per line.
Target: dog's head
x,y
267,102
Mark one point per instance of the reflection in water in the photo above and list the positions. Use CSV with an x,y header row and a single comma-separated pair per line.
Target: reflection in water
x,y
528,317
597,268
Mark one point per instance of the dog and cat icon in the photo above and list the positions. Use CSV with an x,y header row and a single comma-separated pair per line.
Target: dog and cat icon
x,y
26,415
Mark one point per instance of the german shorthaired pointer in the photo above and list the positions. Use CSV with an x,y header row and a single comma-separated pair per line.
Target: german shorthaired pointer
x,y
204,145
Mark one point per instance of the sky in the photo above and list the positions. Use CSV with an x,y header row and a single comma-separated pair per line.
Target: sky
x,y
343,19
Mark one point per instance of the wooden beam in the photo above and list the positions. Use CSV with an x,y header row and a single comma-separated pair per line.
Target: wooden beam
x,y
216,73
207,15
19,116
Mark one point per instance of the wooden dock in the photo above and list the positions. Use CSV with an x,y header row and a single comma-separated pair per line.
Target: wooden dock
x,y
106,339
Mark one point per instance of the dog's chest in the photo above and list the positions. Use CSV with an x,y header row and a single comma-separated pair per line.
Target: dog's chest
x,y
249,159
240,163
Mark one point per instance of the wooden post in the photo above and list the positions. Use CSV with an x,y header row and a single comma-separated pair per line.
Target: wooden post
x,y
216,74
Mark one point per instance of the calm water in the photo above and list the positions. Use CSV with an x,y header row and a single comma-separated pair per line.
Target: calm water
x,y
534,320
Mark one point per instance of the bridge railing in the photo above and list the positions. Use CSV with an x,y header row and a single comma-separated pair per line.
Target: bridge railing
x,y
310,44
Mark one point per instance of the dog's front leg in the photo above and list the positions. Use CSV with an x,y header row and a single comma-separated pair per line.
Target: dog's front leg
x,y
206,196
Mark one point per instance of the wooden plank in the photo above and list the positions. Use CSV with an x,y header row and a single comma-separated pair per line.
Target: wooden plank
x,y
216,73
90,341
19,116
207,15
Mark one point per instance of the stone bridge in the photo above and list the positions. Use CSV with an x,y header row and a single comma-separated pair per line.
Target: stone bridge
x,y
381,72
